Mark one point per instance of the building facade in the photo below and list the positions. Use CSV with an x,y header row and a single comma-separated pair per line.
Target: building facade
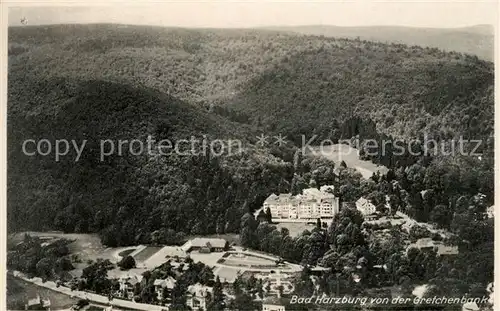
x,y
198,297
365,207
163,288
205,245
311,204
127,286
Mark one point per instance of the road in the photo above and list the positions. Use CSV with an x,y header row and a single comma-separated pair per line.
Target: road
x,y
126,304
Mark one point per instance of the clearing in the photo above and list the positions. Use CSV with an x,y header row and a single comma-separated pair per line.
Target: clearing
x,y
348,154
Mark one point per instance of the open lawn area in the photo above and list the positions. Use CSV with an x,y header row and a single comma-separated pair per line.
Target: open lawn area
x,y
342,152
146,253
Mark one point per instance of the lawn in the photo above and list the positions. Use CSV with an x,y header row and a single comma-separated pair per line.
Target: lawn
x,y
342,152
147,252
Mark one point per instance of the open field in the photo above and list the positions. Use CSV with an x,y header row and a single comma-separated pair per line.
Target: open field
x,y
226,274
342,152
146,253
19,290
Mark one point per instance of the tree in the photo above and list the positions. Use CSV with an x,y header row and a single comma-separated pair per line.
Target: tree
x,y
269,216
96,276
179,297
44,268
217,301
441,215
127,262
318,223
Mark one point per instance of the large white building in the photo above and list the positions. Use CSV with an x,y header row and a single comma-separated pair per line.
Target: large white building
x,y
365,207
312,203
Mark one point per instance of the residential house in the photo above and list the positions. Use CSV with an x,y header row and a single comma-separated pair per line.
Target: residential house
x,y
163,288
427,244
470,306
127,286
490,211
198,297
365,207
37,303
206,245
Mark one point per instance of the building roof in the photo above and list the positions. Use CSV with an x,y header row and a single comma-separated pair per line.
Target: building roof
x,y
273,197
132,280
326,188
470,306
34,301
169,282
203,242
363,204
172,251
490,211
199,290
312,192
447,250
425,242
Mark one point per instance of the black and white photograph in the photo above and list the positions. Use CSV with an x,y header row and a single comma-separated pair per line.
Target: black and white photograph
x,y
249,155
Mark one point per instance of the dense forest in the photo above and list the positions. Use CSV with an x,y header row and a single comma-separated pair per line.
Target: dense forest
x,y
127,82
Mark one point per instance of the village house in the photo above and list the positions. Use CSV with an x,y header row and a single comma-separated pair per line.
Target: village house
x,y
198,297
427,244
127,286
205,245
490,211
37,303
470,306
311,204
163,288
365,207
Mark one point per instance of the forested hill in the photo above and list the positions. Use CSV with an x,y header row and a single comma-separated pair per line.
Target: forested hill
x,y
125,82
272,79
477,40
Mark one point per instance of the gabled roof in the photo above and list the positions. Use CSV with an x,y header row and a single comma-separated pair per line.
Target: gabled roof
x,y
169,282
470,306
132,280
213,242
273,197
34,301
199,290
